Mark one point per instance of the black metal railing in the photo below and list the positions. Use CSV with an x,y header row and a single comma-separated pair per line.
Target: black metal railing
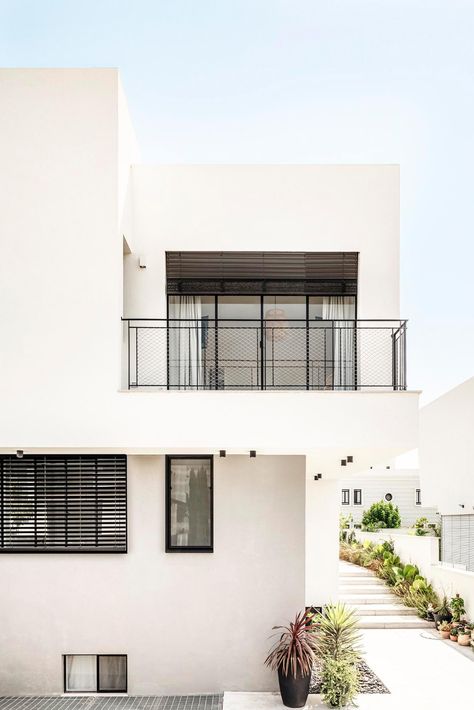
x,y
206,354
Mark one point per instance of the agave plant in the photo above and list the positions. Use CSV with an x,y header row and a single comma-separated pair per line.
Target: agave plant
x,y
337,634
294,651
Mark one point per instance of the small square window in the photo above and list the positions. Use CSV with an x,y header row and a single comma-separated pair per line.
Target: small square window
x,y
357,496
90,673
346,495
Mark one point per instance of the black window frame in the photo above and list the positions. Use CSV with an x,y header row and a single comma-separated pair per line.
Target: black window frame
x,y
417,496
97,691
189,548
343,497
39,469
357,496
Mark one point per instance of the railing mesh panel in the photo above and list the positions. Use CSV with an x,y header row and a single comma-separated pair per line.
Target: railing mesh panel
x,y
247,355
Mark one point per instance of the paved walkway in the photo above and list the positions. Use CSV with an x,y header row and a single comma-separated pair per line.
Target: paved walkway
x,y
124,702
420,671
375,604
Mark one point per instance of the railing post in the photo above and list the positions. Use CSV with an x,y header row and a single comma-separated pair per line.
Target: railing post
x,y
307,350
128,352
136,357
394,374
356,331
216,354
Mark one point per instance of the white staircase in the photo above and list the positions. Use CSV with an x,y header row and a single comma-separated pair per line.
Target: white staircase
x,y
374,603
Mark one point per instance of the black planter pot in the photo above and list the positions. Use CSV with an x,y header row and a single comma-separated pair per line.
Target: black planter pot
x,y
294,691
442,617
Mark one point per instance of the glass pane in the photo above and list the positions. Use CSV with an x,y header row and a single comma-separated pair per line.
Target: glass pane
x,y
285,342
239,342
190,495
331,307
239,307
190,341
179,306
81,674
113,674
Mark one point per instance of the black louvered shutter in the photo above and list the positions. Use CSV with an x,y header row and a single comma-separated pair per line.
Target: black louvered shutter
x,y
63,503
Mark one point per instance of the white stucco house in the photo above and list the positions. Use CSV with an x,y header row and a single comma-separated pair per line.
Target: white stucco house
x,y
192,357
446,427
399,486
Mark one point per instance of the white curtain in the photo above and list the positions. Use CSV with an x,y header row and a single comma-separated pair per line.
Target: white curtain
x,y
341,312
185,364
81,674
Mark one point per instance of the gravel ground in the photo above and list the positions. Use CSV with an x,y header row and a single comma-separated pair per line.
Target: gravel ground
x,y
369,682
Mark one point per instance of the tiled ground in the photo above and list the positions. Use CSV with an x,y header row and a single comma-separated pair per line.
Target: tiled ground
x,y
169,702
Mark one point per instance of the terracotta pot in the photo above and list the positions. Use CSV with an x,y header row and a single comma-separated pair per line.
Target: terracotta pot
x,y
453,638
444,634
464,639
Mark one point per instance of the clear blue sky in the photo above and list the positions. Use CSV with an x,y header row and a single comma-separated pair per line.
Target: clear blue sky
x,y
307,81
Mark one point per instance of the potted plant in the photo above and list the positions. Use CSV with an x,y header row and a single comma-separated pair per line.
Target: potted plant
x,y
444,628
292,656
453,633
457,608
464,636
442,612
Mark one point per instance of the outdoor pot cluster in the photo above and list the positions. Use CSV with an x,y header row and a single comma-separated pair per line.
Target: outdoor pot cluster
x,y
332,639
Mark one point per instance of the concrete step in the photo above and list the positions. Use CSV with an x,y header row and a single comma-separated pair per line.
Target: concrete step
x,y
393,622
356,599
363,589
383,610
356,580
354,571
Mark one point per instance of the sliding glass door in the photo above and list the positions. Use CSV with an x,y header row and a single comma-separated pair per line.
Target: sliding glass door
x,y
261,342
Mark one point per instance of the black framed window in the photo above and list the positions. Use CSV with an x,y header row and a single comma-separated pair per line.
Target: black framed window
x,y
58,503
357,496
91,673
189,504
418,496
346,496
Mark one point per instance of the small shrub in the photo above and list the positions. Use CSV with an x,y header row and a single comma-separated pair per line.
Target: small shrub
x,y
381,515
339,683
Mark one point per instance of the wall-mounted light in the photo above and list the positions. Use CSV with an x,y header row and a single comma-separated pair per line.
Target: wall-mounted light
x,y
461,505
318,476
142,262
19,453
222,453
350,459
253,454
343,462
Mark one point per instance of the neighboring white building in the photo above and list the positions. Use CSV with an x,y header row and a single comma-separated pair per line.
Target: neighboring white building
x,y
447,471
131,441
401,487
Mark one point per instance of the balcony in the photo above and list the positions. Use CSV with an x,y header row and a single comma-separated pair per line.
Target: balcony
x,y
266,354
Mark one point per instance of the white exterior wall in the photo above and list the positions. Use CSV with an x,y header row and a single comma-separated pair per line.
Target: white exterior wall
x,y
189,623
402,486
267,207
70,197
424,553
446,460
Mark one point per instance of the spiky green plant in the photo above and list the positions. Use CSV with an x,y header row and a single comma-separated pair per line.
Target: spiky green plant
x,y
293,653
337,634
339,683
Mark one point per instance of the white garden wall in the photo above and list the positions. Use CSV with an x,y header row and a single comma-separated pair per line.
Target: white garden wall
x,y
423,551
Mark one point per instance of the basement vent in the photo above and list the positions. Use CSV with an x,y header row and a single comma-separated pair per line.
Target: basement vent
x,y
457,541
63,503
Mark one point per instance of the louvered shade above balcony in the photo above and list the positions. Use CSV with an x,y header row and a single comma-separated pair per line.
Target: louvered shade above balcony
x,y
261,272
